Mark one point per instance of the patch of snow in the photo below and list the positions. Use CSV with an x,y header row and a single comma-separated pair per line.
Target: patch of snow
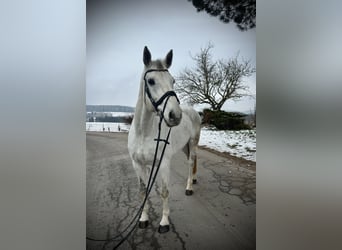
x,y
122,114
241,143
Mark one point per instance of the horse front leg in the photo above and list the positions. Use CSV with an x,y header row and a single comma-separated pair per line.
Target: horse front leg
x,y
143,221
164,225
143,178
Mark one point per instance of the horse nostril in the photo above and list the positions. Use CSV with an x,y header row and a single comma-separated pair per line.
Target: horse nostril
x,y
172,115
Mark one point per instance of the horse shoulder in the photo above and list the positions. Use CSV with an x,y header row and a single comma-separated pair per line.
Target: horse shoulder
x,y
141,148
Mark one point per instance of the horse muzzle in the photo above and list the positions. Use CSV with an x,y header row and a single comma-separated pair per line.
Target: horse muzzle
x,y
173,117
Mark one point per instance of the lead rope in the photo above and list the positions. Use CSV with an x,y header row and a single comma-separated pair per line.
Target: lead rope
x,y
148,188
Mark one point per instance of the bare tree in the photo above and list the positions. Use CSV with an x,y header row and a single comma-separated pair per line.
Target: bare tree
x,y
213,83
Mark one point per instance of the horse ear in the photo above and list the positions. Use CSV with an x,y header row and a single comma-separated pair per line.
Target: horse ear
x,y
168,59
147,56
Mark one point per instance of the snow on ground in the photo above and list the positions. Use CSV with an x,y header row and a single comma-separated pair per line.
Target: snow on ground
x,y
240,143
122,114
114,114
107,127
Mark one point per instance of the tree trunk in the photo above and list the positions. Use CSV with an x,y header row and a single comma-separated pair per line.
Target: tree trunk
x,y
216,107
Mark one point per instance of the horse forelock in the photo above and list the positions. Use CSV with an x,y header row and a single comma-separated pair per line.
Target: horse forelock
x,y
158,64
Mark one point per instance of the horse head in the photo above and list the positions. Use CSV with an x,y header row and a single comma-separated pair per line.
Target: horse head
x,y
158,87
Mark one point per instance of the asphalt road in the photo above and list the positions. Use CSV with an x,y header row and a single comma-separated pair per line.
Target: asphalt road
x,y
219,215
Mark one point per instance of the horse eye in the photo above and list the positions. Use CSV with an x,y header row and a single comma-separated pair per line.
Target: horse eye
x,y
151,81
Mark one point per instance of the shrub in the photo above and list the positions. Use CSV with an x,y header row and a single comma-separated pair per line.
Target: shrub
x,y
224,120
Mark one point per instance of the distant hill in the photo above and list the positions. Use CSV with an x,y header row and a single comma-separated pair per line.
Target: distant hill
x,y
109,108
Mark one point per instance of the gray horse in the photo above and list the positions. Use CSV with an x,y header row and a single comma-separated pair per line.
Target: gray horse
x,y
185,122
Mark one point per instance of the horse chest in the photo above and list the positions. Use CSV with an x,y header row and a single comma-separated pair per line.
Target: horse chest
x,y
143,150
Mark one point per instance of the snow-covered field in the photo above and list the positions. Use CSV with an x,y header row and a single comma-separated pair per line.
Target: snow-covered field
x,y
238,143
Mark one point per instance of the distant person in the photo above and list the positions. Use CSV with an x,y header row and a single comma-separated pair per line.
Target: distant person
x,y
119,128
108,129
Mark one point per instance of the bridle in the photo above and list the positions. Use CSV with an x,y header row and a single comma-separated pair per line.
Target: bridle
x,y
167,94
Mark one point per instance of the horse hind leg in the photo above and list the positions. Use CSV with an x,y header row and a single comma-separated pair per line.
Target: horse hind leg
x,y
194,171
192,163
189,190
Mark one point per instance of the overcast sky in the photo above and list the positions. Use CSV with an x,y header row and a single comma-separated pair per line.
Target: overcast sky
x,y
117,32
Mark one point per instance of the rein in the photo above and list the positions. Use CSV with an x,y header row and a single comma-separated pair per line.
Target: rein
x,y
154,169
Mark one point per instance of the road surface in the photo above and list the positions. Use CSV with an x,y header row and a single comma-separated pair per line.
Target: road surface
x,y
219,215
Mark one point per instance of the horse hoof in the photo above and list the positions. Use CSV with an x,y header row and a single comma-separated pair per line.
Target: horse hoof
x,y
163,229
194,181
143,224
188,192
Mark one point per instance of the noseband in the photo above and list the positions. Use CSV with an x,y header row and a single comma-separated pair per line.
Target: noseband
x,y
167,94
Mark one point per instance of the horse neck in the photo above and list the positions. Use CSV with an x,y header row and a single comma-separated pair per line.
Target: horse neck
x,y
144,120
